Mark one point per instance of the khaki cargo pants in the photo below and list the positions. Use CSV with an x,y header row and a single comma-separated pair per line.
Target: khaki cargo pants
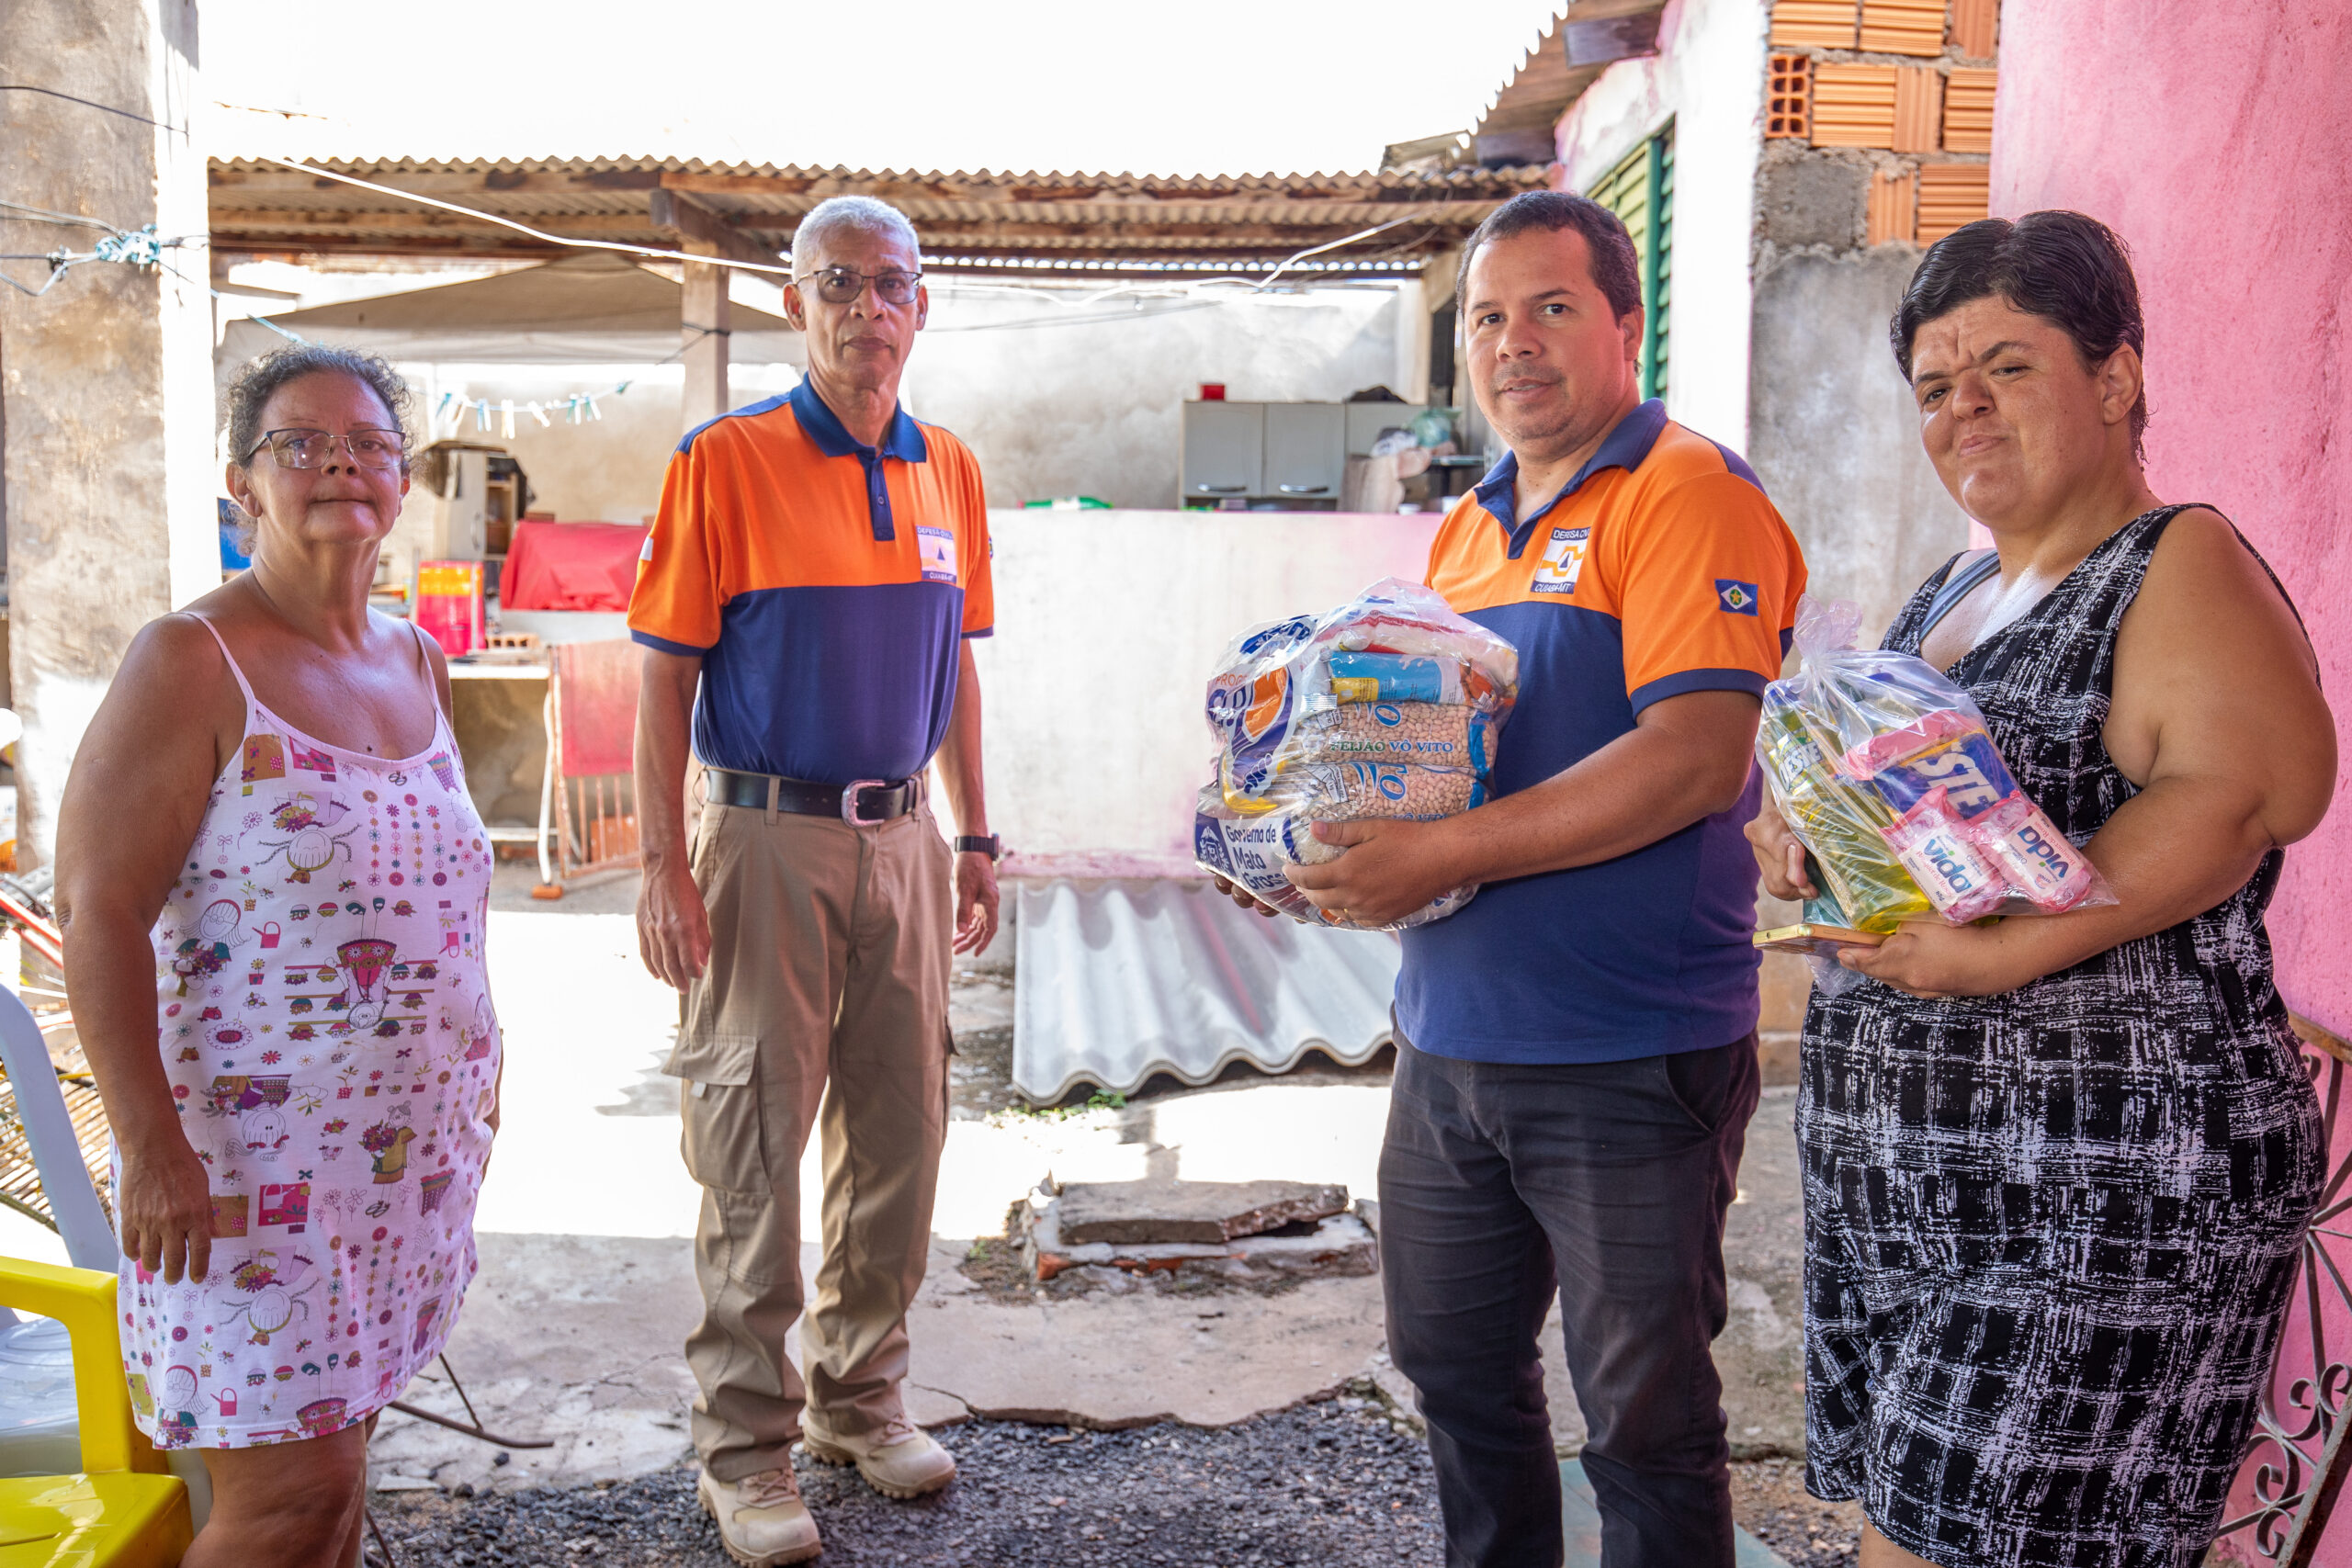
x,y
828,981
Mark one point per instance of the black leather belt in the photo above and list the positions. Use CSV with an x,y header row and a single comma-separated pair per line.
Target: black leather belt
x,y
861,803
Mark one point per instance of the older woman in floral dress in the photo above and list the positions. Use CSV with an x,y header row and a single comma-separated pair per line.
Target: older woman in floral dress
x,y
272,885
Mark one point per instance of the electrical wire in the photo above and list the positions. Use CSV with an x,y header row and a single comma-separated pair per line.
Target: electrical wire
x,y
42,214
1255,283
525,229
1187,285
180,130
1331,245
1098,318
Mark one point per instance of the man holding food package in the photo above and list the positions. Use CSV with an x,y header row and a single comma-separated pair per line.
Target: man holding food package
x,y
1576,1053
807,596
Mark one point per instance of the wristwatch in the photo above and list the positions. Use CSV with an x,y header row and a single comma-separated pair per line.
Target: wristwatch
x,y
981,844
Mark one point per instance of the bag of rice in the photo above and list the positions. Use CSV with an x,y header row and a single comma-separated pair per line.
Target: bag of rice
x,y
1389,707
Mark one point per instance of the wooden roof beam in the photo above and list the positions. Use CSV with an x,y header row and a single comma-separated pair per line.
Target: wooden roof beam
x,y
229,226
700,231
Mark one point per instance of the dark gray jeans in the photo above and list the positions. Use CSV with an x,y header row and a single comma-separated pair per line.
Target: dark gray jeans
x,y
1608,1182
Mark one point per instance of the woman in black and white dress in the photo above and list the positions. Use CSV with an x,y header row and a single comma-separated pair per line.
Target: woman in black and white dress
x,y
2058,1170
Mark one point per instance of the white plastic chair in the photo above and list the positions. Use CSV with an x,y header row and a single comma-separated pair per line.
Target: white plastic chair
x,y
73,1200
38,1421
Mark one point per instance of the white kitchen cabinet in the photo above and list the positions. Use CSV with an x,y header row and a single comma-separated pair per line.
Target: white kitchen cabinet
x,y
1306,450
1224,450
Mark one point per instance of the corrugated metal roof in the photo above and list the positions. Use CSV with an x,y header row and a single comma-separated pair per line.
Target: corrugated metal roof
x,y
1117,980
257,205
1544,84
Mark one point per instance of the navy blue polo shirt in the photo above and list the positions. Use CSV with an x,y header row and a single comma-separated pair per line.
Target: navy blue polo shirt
x,y
825,584
1662,569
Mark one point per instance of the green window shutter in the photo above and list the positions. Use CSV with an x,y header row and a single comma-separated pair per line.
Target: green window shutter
x,y
1640,191
1658,291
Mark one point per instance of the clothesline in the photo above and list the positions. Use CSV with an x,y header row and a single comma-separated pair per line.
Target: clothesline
x,y
578,408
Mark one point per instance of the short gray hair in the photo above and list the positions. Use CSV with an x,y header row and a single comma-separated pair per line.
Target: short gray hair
x,y
863,213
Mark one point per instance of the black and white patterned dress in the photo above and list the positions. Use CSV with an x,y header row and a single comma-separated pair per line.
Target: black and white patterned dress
x,y
2050,1236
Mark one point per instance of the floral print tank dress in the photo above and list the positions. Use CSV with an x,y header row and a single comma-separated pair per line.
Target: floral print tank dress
x,y
325,1023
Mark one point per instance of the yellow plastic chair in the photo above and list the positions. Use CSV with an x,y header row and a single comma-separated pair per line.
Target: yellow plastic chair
x,y
123,1510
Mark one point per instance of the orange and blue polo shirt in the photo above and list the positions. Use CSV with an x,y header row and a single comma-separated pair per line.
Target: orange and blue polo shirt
x,y
1662,569
826,585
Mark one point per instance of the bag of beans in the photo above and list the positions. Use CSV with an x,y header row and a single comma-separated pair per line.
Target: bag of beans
x,y
1389,707
1884,769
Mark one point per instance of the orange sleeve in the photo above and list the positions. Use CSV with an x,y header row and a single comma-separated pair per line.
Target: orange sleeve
x,y
1707,592
675,605
1451,580
979,554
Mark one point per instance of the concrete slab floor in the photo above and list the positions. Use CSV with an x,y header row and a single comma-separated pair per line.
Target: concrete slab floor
x,y
586,1290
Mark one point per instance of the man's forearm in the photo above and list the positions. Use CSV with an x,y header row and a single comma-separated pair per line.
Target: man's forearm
x,y
959,754
664,708
1648,783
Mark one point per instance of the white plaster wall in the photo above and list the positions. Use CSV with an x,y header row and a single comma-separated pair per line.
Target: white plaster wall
x,y
1088,400
1107,626
1708,78
192,525
1077,400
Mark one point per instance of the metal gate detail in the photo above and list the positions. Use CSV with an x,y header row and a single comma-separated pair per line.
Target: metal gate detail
x,y
2296,1457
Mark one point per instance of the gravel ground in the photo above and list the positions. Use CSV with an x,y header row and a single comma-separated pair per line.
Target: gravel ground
x,y
1769,1497
1334,1485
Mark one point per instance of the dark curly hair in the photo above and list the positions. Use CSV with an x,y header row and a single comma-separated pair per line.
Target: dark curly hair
x,y
2068,269
257,382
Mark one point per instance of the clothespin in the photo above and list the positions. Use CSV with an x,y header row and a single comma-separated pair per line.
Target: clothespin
x,y
540,413
506,406
481,413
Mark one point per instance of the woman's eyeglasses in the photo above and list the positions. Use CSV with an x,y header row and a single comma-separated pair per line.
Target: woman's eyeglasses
x,y
840,285
299,448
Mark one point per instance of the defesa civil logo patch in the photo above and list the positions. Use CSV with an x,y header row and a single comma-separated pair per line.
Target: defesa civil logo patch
x,y
937,548
1563,561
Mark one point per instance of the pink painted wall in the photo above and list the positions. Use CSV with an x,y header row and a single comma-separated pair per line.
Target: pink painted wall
x,y
2212,136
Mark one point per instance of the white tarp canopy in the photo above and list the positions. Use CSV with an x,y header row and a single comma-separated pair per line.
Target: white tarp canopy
x,y
592,309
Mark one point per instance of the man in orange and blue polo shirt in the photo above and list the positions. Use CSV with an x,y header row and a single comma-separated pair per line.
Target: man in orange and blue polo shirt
x,y
808,594
1575,1048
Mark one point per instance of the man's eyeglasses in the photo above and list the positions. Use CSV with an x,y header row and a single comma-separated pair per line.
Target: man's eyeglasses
x,y
842,285
298,449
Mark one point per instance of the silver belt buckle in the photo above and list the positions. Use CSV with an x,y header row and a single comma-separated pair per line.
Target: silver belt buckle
x,y
850,792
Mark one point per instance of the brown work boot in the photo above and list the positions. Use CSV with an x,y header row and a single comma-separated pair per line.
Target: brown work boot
x,y
898,1458
761,1520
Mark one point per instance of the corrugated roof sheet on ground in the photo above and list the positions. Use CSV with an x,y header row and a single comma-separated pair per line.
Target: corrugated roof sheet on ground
x,y
1117,980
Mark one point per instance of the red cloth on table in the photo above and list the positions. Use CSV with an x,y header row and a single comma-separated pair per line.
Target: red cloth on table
x,y
596,689
570,566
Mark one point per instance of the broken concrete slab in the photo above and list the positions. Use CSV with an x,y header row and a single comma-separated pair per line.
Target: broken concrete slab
x,y
1338,1247
576,1338
1154,1209
1109,1362
580,1338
